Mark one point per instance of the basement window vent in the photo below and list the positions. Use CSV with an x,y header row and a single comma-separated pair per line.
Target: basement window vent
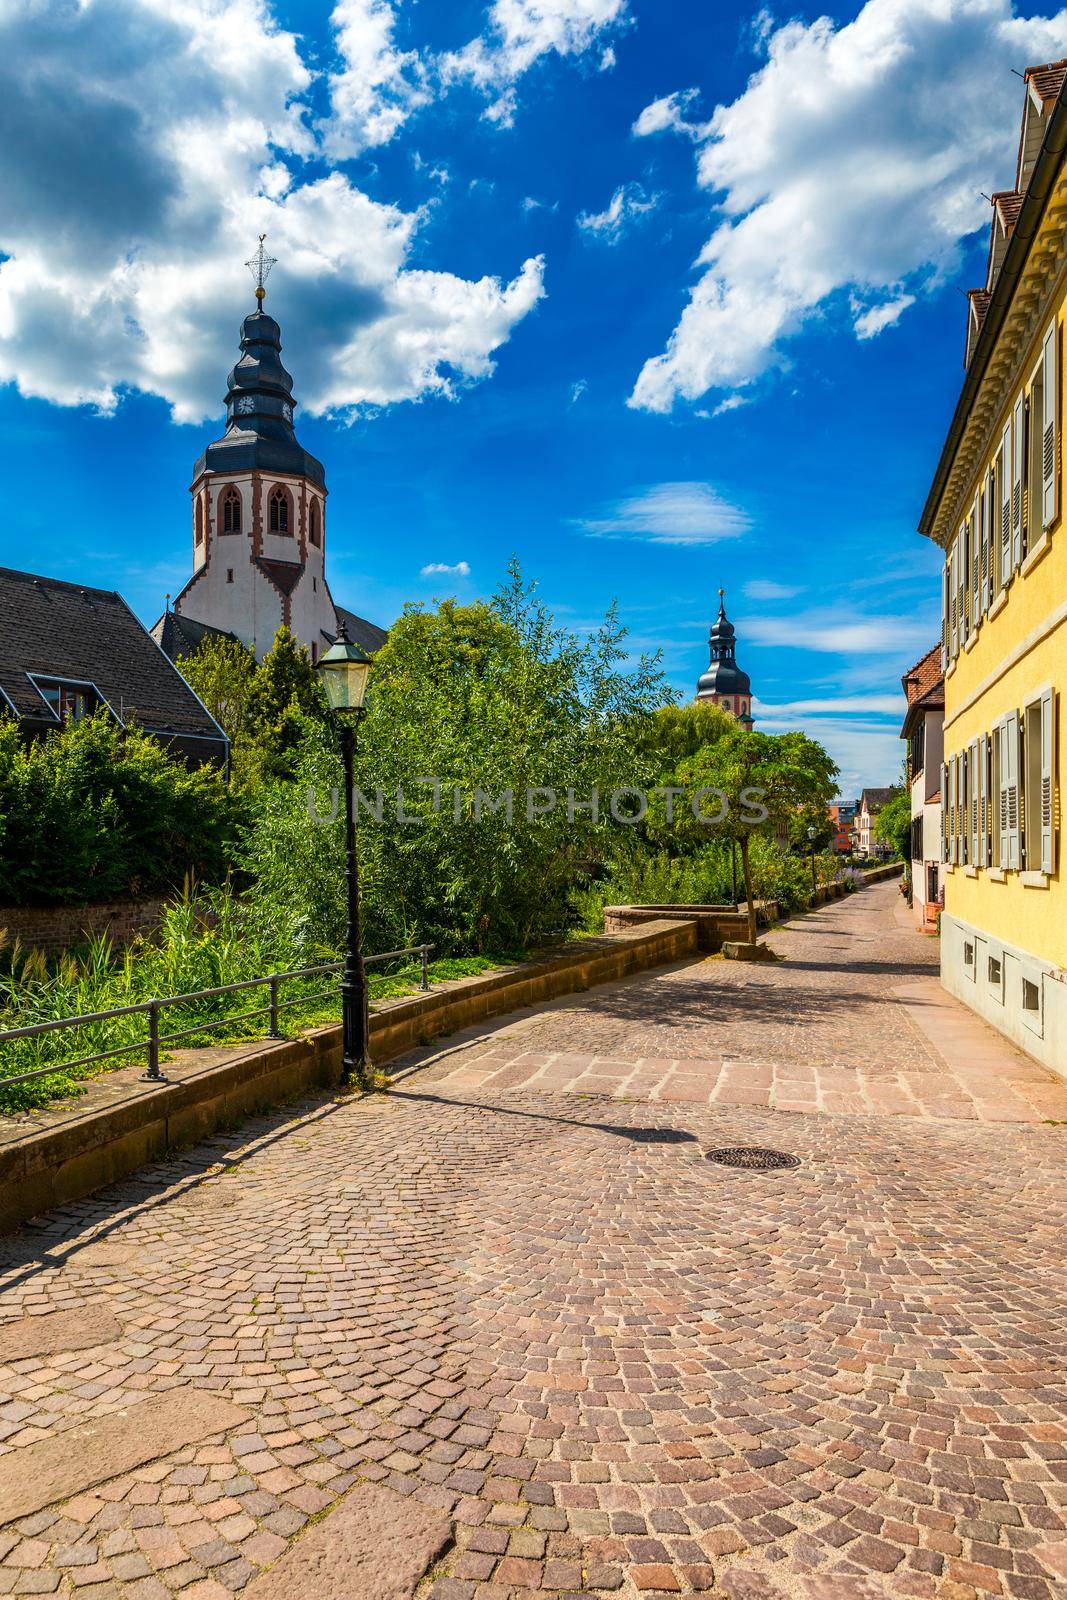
x,y
1031,997
996,971
968,953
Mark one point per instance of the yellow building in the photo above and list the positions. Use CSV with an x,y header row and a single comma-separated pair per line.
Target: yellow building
x,y
996,510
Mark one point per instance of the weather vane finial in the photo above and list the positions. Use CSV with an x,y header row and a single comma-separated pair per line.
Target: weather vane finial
x,y
259,266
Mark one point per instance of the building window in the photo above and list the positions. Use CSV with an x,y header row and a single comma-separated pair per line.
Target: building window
x,y
917,838
917,751
71,701
229,574
1031,996
315,523
279,511
231,511
995,971
198,519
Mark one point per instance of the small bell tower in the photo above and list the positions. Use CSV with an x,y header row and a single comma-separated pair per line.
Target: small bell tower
x,y
259,505
724,683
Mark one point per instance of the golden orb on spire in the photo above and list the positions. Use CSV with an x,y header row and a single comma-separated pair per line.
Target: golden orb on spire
x,y
259,266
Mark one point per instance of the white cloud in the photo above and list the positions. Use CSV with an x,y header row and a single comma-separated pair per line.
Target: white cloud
x,y
518,34
378,86
143,146
627,204
669,116
730,402
578,389
868,753
876,319
671,513
842,705
767,589
837,632
441,569
854,159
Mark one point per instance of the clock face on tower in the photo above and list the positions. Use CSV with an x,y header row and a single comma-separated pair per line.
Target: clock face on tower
x,y
244,404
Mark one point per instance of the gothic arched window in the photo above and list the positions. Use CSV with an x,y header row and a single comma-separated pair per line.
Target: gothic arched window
x,y
231,511
316,526
198,520
279,511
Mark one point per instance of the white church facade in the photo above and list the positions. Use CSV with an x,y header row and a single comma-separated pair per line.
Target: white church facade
x,y
258,521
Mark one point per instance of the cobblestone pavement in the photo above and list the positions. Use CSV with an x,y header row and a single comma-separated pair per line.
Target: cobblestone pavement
x,y
618,1367
853,1021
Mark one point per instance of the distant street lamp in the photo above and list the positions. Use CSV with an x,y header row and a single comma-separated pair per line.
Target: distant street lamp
x,y
345,674
811,841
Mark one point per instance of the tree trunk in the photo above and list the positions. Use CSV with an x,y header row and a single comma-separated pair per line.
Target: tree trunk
x,y
746,869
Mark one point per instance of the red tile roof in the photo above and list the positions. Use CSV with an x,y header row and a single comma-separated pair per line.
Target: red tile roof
x,y
1009,202
925,675
1047,81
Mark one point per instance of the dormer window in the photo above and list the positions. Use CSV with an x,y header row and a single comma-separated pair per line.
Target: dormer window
x,y
231,511
68,701
279,511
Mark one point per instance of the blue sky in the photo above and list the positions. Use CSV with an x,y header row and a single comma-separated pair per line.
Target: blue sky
x,y
654,294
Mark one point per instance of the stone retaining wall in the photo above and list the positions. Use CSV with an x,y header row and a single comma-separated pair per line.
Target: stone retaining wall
x,y
54,929
714,924
88,1148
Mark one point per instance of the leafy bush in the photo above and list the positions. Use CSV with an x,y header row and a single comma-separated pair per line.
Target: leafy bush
x,y
98,812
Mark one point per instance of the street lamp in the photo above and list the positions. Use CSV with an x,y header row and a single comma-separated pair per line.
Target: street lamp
x,y
811,841
345,674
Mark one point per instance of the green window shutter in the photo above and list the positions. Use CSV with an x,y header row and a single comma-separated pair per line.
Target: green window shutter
x,y
1001,736
944,812
1004,502
1017,469
1050,402
1011,786
1048,768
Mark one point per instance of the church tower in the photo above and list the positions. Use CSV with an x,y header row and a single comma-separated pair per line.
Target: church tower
x,y
258,515
724,683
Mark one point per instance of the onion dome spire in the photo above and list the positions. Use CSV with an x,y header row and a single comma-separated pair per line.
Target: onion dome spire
x,y
259,432
724,676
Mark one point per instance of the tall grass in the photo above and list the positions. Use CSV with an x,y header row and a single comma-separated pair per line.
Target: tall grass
x,y
206,940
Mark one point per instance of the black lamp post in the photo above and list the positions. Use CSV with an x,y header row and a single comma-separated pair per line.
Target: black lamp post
x,y
811,841
345,673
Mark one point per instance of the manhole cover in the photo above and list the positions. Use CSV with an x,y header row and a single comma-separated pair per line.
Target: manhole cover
x,y
753,1158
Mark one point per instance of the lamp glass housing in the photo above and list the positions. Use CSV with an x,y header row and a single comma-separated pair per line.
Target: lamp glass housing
x,y
345,674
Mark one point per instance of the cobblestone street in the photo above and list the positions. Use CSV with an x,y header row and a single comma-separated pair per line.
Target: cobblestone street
x,y
514,1290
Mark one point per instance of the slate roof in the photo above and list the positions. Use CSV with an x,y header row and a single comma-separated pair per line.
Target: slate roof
x,y
366,634
65,630
179,636
875,799
259,432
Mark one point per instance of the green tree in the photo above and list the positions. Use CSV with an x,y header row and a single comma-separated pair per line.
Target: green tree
x,y
468,705
893,824
746,783
811,816
222,672
261,707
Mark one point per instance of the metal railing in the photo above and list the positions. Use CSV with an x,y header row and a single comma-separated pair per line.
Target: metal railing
x,y
152,1009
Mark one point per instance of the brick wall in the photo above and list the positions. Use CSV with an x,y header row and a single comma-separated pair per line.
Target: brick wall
x,y
56,928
